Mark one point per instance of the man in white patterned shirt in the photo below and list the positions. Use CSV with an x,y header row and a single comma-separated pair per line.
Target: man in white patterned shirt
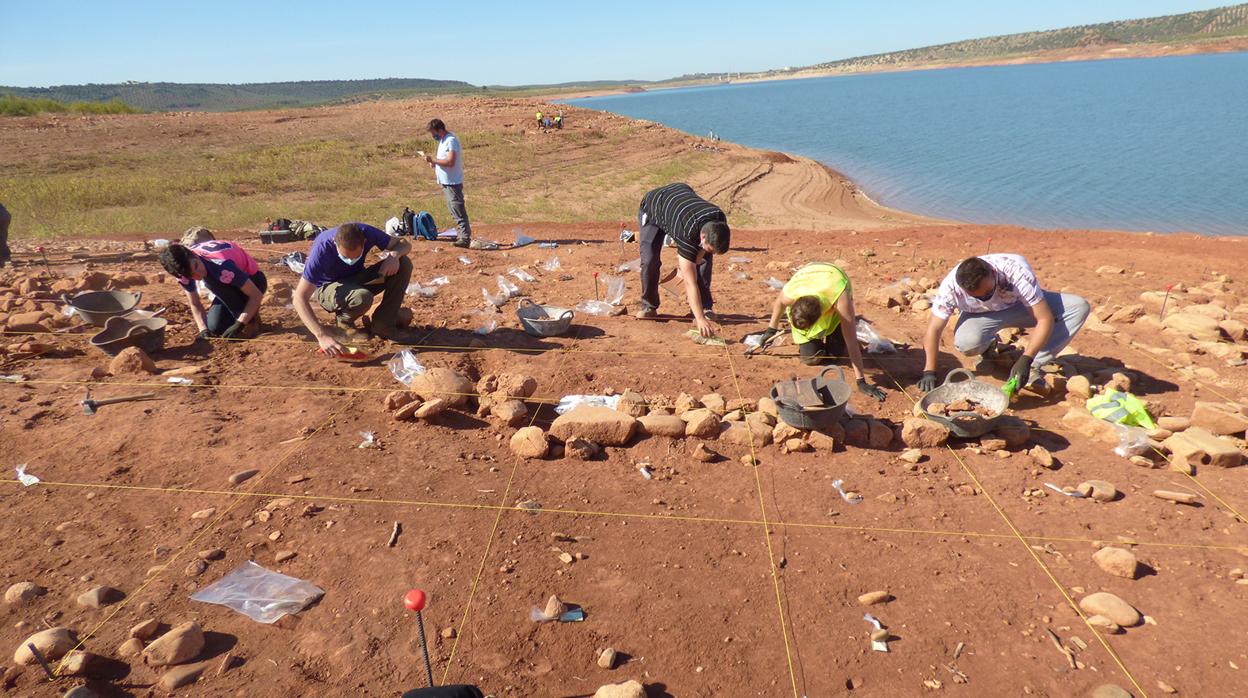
x,y
997,291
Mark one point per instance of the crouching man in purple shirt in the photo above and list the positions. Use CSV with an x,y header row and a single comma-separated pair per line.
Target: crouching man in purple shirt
x,y
336,277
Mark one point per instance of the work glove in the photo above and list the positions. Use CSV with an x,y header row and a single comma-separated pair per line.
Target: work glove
x,y
928,382
232,331
1021,371
768,334
202,336
871,391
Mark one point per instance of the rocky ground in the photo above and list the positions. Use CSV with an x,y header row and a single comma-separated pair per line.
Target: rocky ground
x,y
713,550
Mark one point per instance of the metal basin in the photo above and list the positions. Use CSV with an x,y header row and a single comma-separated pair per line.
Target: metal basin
x,y
543,320
968,425
96,307
119,333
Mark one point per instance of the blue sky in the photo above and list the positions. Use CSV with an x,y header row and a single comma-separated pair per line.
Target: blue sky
x,y
52,42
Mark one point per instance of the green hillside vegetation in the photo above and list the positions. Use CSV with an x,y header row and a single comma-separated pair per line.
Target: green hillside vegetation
x,y
11,105
170,96
1190,27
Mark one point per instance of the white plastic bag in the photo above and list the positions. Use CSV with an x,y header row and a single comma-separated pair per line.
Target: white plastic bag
x,y
393,226
552,265
26,478
405,367
506,290
464,260
415,289
599,308
521,275
262,595
1132,441
522,239
632,266
568,402
775,283
876,344
439,281
369,440
613,291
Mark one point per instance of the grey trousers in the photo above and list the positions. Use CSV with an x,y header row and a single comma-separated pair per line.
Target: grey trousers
x,y
454,194
975,331
651,239
5,219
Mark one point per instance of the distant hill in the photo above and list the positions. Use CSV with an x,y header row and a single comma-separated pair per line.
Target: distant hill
x,y
1203,25
172,96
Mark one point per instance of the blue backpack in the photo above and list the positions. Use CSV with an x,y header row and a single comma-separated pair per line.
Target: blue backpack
x,y
425,227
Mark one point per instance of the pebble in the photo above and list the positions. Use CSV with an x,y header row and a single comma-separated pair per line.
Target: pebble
x,y
750,459
1109,690
212,554
242,476
448,633
181,676
873,597
703,454
1099,490
284,555
132,647
195,568
1117,561
181,644
97,597
146,630
1165,687
204,513
606,660
23,593
565,558
1105,604
911,455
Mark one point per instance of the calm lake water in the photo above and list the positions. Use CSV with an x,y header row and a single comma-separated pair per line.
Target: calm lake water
x,y
1139,144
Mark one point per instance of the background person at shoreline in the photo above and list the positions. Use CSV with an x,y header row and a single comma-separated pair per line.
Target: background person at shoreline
x,y
700,230
336,277
996,291
230,274
817,299
448,165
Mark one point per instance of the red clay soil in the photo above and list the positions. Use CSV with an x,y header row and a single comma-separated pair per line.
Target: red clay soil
x,y
711,579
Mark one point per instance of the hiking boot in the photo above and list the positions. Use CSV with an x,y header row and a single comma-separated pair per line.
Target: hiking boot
x,y
646,314
462,243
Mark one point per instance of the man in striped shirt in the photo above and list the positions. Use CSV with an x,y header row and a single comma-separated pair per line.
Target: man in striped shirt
x,y
700,231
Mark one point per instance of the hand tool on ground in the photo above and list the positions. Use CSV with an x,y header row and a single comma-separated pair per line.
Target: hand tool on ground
x,y
415,602
89,405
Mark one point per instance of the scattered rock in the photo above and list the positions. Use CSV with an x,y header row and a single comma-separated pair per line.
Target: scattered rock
x,y
513,413
632,403
747,433
701,423
131,360
555,607
1109,690
530,442
821,441
407,411
684,403
1177,497
242,476
917,432
1194,325
628,689
181,676
1079,386
204,513
580,449
1165,687
284,555
1117,561
857,432
1219,419
100,596
768,406
1198,446
1173,424
77,663
1109,626
146,630
668,425
874,597
228,661
880,435
1103,603
750,460
606,660
396,399
703,454
1100,490
443,383
796,445
23,593
448,633
52,643
602,425
1015,432
196,567
1042,457
515,386
990,444
132,647
911,455
211,554
181,644
432,408
715,403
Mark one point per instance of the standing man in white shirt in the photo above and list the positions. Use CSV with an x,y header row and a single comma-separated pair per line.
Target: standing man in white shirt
x,y
448,165
997,291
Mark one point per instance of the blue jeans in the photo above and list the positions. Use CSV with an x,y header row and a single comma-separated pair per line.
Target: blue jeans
x,y
975,331
228,303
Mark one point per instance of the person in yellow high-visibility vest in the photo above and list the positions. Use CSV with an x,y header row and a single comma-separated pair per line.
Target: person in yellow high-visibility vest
x,y
817,300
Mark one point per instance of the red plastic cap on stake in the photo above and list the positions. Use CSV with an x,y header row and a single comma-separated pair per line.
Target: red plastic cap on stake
x,y
414,600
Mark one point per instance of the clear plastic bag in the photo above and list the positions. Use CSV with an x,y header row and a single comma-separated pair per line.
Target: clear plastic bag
x,y
262,595
1132,441
740,260
464,260
876,344
439,281
522,275
633,266
548,245
613,289
293,261
521,238
775,283
369,440
553,264
405,367
568,402
599,308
